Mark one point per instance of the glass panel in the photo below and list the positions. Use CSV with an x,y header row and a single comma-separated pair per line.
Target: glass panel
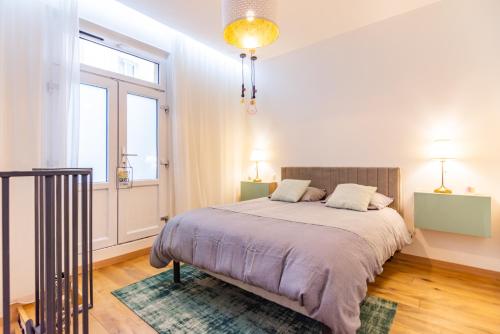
x,y
93,141
142,134
109,59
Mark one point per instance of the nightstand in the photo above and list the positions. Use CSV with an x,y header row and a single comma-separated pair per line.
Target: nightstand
x,y
251,190
463,214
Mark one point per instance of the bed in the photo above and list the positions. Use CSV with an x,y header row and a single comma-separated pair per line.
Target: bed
x,y
305,256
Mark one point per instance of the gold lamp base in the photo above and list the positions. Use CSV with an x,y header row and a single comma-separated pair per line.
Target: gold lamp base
x,y
257,179
442,190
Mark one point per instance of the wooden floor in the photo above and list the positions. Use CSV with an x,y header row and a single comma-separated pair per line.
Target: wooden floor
x,y
431,300
438,300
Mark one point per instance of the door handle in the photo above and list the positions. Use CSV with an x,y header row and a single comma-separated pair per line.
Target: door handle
x,y
125,156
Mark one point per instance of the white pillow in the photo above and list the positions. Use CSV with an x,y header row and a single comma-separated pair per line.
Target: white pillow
x,y
351,196
290,190
379,201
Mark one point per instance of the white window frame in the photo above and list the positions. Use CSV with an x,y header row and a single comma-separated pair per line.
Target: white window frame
x,y
128,45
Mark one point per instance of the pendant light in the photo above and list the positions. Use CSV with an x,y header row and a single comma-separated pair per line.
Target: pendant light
x,y
248,25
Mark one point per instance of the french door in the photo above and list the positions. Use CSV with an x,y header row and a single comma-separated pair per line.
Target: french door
x,y
122,128
141,130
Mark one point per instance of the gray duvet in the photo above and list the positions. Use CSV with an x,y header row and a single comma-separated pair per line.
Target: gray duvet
x,y
324,268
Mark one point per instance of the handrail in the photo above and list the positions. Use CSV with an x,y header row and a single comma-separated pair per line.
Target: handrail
x,y
47,172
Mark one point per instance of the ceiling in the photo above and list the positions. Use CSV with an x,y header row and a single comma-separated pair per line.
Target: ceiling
x,y
301,22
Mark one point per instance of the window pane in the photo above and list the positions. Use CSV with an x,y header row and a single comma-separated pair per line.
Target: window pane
x,y
103,57
142,134
93,141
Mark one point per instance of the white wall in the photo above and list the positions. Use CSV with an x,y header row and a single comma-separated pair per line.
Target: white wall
x,y
380,95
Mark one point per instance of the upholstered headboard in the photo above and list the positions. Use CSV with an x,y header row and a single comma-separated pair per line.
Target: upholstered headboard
x,y
387,180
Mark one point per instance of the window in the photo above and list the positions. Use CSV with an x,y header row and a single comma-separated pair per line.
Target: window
x,y
106,58
142,134
93,141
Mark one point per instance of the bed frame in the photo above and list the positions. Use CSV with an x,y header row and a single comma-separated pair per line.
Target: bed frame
x,y
386,179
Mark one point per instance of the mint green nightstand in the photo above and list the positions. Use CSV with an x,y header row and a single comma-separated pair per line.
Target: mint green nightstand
x,y
251,190
463,214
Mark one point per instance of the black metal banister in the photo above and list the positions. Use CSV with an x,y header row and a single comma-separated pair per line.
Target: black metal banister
x,y
6,254
74,245
59,215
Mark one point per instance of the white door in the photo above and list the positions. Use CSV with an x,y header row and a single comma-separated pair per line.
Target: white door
x,y
117,119
97,149
142,146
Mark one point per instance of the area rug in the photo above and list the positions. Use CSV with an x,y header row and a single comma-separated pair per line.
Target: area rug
x,y
203,304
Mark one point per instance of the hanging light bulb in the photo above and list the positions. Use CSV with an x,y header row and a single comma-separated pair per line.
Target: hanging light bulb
x,y
243,89
252,106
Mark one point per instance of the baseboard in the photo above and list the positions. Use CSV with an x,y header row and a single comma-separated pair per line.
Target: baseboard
x,y
122,252
121,258
449,265
118,259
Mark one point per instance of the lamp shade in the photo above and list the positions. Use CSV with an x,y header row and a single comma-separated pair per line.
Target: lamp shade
x,y
443,149
258,155
250,24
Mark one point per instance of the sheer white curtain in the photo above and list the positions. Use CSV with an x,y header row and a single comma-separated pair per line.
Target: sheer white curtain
x,y
61,73
39,77
38,68
21,87
208,126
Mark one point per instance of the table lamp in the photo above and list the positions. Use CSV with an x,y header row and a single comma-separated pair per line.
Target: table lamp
x,y
442,151
257,155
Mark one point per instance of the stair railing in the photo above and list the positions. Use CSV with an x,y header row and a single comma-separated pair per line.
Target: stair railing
x,y
63,230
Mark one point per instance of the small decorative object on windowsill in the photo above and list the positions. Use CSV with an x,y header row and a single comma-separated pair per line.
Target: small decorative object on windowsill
x,y
257,156
442,151
248,25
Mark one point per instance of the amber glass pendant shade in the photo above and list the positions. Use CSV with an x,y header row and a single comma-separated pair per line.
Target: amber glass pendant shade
x,y
249,24
253,34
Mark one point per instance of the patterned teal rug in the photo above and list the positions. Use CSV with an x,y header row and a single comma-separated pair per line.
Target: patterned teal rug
x,y
203,304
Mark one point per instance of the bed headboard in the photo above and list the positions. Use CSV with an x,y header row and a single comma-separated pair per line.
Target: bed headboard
x,y
387,180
